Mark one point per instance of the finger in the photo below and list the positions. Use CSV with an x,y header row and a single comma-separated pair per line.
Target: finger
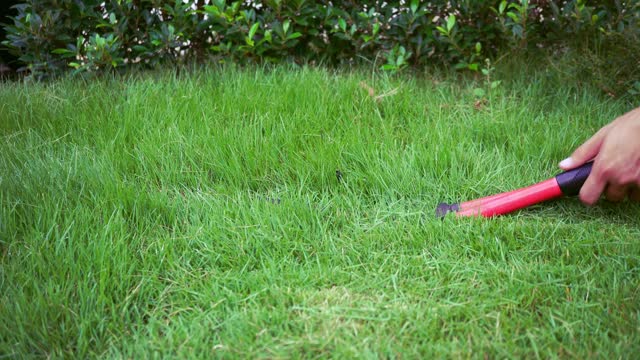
x,y
634,194
592,189
616,193
586,151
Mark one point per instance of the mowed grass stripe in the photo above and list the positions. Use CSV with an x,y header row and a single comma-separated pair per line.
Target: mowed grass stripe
x,y
202,214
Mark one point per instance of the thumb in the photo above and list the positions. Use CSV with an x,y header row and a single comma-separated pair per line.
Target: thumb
x,y
586,151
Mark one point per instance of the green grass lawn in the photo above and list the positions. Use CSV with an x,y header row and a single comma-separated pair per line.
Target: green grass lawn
x,y
201,215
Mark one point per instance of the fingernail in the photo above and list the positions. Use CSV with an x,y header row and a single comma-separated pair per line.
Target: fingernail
x,y
566,163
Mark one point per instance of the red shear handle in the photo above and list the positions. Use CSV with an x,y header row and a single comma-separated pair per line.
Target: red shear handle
x,y
567,183
515,200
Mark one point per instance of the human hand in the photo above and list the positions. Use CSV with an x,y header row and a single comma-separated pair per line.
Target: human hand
x,y
615,150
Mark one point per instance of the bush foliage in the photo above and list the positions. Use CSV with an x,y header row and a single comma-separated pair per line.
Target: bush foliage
x,y
52,36
6,12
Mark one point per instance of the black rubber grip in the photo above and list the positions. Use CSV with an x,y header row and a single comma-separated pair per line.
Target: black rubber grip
x,y
571,181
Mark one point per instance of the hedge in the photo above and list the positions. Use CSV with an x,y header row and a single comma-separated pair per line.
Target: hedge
x,y
6,12
56,36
